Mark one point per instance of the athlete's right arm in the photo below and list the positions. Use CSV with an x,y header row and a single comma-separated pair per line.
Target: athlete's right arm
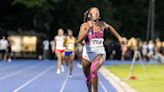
x,y
82,33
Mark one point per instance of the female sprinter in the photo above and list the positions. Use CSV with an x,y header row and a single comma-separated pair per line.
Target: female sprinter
x,y
93,55
59,50
70,50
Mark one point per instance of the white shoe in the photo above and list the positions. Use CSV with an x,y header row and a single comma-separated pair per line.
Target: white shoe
x,y
58,71
79,65
70,76
9,60
62,68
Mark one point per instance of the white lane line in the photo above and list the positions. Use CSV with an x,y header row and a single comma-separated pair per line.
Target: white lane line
x,y
103,86
11,67
34,78
116,82
14,73
64,84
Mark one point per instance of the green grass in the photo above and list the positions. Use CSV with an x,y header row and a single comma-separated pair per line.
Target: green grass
x,y
151,80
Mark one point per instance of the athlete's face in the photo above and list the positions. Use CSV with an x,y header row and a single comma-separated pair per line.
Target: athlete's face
x,y
60,32
70,33
95,14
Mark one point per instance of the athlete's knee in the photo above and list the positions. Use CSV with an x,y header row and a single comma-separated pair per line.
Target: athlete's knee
x,y
59,60
93,69
93,74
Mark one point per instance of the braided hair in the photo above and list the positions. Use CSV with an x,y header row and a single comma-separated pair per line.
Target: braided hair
x,y
87,15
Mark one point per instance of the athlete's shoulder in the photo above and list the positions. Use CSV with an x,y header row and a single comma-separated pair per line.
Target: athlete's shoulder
x,y
84,25
104,24
74,38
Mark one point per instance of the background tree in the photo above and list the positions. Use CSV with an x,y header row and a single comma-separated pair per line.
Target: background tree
x,y
129,17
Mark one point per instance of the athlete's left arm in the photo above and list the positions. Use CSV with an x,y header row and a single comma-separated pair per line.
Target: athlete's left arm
x,y
114,32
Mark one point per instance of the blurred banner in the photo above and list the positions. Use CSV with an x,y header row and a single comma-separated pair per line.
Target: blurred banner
x,y
16,43
29,43
24,43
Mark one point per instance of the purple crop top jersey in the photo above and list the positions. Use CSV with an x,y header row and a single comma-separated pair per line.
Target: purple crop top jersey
x,y
94,44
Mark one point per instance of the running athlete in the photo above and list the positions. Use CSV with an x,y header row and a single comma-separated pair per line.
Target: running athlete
x,y
70,50
59,50
93,56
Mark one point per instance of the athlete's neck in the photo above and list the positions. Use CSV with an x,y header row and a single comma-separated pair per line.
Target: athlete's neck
x,y
95,22
60,35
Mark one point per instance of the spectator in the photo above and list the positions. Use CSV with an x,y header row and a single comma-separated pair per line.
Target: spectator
x,y
158,44
52,45
151,50
144,50
117,51
132,45
79,48
9,49
160,54
45,49
108,48
3,48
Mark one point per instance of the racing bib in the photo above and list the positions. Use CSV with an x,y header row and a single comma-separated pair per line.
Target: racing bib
x,y
97,42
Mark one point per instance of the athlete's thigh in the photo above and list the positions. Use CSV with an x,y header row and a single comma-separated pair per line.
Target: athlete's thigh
x,y
98,61
63,54
86,66
72,56
58,54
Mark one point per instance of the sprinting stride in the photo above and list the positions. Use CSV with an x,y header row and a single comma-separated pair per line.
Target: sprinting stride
x,y
59,50
93,56
70,51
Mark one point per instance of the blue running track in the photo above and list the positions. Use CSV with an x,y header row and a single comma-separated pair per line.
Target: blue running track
x,y
40,76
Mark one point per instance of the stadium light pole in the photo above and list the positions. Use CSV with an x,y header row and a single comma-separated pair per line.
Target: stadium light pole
x,y
153,21
148,22
150,34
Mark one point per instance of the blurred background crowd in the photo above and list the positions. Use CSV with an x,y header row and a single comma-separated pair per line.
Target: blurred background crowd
x,y
17,47
149,51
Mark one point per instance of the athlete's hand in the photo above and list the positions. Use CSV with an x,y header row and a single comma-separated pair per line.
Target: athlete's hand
x,y
83,42
122,41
